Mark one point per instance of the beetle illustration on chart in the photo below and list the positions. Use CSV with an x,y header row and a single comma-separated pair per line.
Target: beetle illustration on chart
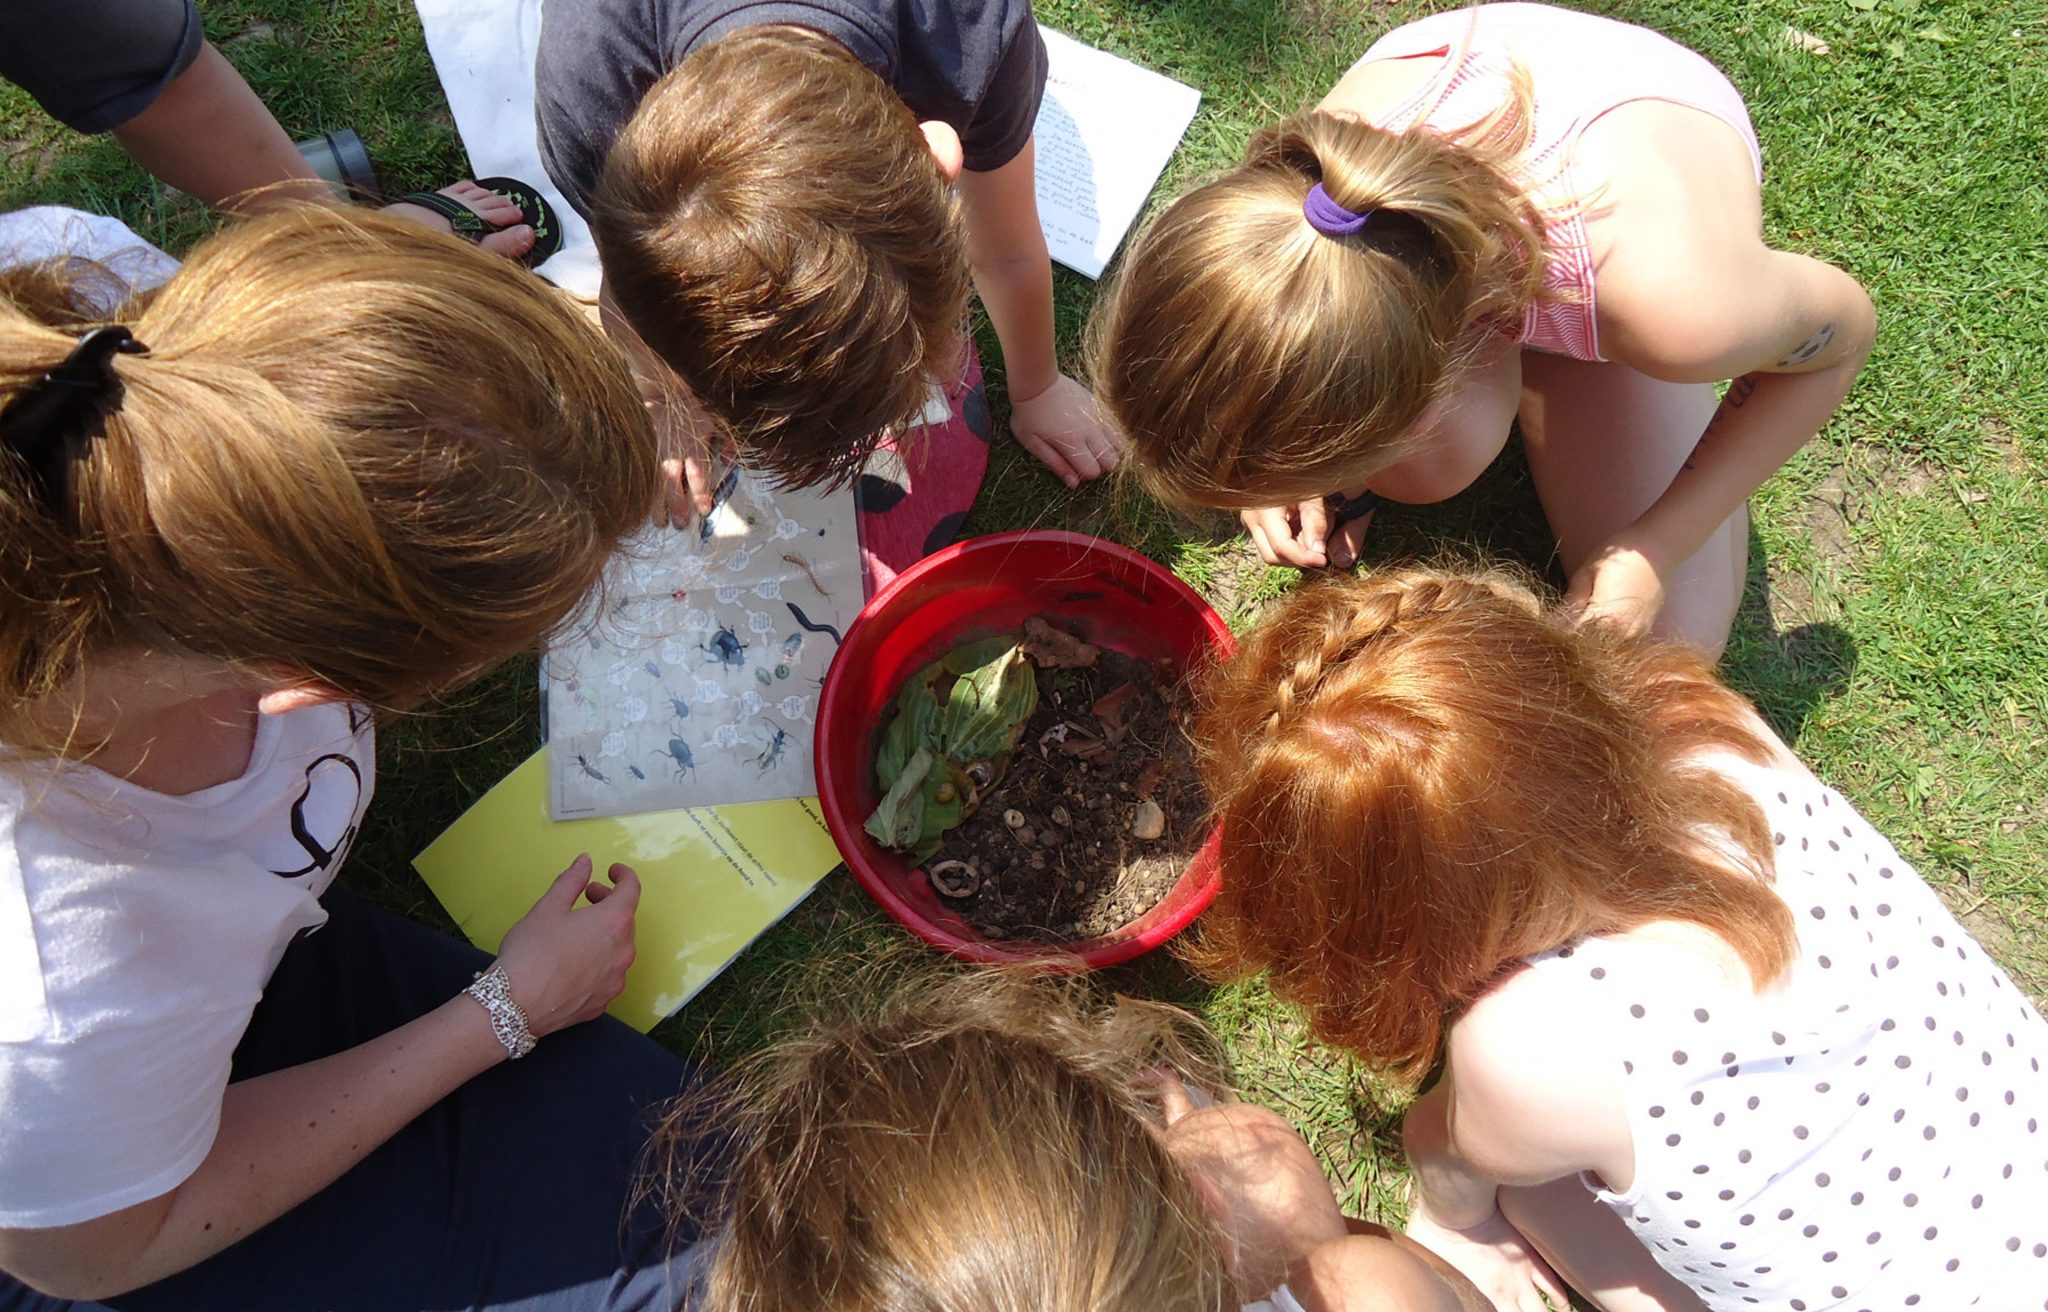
x,y
697,677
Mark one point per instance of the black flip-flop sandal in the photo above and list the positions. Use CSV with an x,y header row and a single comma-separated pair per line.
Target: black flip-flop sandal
x,y
468,224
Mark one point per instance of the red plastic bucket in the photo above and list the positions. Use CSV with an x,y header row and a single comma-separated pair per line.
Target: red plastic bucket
x,y
1110,595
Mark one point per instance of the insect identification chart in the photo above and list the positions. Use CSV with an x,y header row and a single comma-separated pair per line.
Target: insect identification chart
x,y
693,679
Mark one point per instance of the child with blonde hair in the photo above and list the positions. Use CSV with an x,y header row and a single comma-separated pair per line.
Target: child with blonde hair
x,y
985,1143
1506,213
335,466
1706,1039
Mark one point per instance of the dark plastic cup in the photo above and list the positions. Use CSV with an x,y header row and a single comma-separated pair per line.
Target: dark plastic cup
x,y
1110,595
342,161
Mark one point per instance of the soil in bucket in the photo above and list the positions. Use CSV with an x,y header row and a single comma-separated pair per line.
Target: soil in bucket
x,y
1099,811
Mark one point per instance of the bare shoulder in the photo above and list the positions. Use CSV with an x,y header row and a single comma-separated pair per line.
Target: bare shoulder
x,y
1533,1082
1675,220
1369,90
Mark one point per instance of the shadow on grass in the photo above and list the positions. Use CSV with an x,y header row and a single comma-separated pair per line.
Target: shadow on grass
x,y
1788,671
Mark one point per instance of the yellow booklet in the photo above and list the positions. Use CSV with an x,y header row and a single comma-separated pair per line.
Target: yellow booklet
x,y
713,878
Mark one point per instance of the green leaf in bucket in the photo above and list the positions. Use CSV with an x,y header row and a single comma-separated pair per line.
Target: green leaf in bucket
x,y
937,755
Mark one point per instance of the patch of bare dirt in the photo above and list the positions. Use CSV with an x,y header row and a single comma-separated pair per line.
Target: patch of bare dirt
x,y
2019,949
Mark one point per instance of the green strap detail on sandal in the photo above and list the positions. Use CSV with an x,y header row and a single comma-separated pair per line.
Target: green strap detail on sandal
x,y
469,225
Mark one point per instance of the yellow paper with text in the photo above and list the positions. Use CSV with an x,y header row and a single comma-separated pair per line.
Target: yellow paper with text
x,y
713,878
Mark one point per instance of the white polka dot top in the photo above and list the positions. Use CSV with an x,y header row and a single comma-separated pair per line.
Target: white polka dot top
x,y
1866,1134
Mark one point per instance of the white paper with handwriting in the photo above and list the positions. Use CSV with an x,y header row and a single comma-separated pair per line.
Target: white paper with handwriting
x,y
698,683
1105,131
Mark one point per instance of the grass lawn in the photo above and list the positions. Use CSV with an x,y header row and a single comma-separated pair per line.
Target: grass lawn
x,y
1896,629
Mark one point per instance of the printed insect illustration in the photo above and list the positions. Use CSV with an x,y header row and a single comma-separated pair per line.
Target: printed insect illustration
x,y
651,668
636,772
725,648
583,764
679,758
762,677
771,755
679,706
791,558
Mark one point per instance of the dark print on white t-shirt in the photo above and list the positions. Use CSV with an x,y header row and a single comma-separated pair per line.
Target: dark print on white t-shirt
x,y
324,816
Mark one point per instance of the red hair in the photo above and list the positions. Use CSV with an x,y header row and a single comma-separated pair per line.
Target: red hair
x,y
1423,778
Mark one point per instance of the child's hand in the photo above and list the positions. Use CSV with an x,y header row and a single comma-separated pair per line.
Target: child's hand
x,y
683,435
1313,534
1620,585
1062,427
1495,1257
1267,1197
566,963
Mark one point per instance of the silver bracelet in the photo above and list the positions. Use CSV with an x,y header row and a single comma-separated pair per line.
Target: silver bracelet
x,y
494,991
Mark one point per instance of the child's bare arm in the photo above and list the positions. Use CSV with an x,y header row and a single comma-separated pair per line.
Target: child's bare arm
x,y
1051,415
286,1135
1791,331
1527,1096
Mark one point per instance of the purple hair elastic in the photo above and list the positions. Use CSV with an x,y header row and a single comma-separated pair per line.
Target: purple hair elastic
x,y
1328,217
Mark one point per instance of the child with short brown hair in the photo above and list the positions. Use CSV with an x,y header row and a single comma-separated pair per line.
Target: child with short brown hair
x,y
769,188
1706,1038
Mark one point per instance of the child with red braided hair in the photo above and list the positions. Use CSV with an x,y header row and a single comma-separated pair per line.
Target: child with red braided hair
x,y
1706,1039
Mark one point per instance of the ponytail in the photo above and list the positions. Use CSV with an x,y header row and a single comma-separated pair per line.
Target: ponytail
x,y
357,451
1253,359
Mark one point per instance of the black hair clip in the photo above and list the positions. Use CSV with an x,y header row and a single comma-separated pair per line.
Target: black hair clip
x,y
49,423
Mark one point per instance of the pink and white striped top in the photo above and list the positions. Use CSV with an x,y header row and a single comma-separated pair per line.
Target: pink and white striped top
x,y
1579,67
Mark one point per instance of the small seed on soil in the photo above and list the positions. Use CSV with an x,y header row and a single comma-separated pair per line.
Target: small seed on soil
x,y
1026,836
1013,818
1148,822
1080,886
1060,816
1037,861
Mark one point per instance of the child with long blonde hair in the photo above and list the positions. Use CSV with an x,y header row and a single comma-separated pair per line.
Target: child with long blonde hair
x,y
335,466
988,1143
1513,212
1706,1038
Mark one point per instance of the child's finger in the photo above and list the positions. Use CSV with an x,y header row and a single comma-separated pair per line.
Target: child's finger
x,y
625,891
1315,528
1349,537
1256,529
701,478
1049,457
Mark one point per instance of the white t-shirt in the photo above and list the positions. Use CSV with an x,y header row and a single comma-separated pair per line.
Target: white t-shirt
x,y
137,932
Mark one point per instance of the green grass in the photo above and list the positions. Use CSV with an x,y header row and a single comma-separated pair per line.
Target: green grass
x,y
1897,625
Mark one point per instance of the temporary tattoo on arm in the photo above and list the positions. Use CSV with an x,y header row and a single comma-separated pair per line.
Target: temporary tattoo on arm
x,y
1813,346
1739,392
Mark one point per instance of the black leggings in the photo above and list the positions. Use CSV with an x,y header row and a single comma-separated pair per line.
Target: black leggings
x,y
511,1193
